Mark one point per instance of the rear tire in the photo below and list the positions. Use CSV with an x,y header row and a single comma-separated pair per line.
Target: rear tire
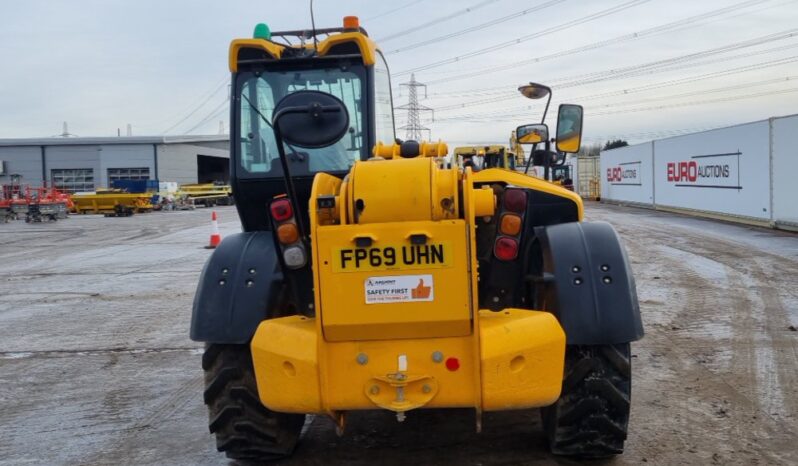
x,y
591,418
244,428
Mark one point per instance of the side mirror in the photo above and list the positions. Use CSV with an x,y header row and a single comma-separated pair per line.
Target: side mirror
x,y
311,119
532,134
569,128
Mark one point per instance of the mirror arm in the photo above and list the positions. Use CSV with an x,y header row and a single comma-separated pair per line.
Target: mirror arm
x,y
548,159
529,159
546,110
289,182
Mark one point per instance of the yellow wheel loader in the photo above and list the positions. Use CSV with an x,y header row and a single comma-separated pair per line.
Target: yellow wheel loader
x,y
371,277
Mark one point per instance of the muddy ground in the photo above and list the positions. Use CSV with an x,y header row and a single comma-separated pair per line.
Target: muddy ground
x,y
96,366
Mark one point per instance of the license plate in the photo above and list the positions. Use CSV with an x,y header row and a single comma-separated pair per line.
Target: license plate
x,y
393,257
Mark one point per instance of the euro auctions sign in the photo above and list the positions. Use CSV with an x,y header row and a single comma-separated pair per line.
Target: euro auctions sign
x,y
628,173
706,171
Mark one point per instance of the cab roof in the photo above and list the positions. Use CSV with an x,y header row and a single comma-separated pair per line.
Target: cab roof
x,y
304,44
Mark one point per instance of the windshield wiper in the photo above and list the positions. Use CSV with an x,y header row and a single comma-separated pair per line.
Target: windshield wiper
x,y
296,154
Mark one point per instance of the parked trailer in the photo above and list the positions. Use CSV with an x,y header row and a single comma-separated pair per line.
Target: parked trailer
x,y
208,194
106,202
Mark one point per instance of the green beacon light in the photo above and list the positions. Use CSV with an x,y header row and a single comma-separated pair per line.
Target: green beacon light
x,y
262,31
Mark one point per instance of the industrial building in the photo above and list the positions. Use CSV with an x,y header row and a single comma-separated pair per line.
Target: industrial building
x,y
80,164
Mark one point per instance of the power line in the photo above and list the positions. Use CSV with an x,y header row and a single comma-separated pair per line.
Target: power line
x,y
435,22
696,102
201,104
663,65
747,85
210,116
685,23
511,117
669,83
487,24
551,30
372,18
654,134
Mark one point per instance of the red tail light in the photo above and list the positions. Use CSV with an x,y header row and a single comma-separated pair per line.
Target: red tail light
x,y
281,210
515,200
505,248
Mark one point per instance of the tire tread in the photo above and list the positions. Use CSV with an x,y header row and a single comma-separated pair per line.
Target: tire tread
x,y
244,428
591,418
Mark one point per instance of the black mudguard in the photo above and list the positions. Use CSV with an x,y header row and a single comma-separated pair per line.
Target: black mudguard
x,y
588,283
239,285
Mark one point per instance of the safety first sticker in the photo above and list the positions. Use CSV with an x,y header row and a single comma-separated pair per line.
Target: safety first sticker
x,y
399,289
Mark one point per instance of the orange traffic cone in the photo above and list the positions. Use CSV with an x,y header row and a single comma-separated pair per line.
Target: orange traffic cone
x,y
216,237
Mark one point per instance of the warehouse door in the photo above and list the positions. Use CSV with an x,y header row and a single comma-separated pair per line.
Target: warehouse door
x,y
211,169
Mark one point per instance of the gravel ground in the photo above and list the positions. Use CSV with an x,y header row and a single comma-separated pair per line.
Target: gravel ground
x,y
96,366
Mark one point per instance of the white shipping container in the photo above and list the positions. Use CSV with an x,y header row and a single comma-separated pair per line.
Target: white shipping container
x,y
724,170
784,155
626,174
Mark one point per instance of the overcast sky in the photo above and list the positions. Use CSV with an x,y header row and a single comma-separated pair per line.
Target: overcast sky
x,y
641,68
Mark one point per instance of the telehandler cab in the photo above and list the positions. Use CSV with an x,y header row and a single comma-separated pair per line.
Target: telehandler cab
x,y
369,276
478,157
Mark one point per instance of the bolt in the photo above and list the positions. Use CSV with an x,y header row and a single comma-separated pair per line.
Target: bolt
x,y
250,283
362,359
577,281
607,280
575,269
605,268
495,299
222,282
437,356
374,390
400,416
252,271
426,388
225,271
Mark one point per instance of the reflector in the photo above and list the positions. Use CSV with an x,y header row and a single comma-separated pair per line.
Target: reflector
x,y
506,249
287,233
515,200
281,210
453,364
510,224
294,256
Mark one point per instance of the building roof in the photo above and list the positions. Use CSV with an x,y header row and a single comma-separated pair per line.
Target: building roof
x,y
68,141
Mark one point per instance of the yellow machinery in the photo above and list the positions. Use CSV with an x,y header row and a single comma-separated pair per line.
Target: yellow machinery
x,y
207,194
371,276
479,157
517,150
111,201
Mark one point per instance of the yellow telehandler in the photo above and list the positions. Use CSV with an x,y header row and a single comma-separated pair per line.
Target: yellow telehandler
x,y
370,276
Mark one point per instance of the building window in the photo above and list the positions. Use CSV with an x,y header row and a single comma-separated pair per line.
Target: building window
x,y
73,180
128,174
